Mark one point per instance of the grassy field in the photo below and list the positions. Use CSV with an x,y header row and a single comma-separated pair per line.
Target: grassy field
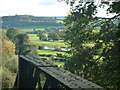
x,y
59,21
49,52
29,29
60,64
36,40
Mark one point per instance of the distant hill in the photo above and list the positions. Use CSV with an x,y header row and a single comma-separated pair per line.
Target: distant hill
x,y
23,21
20,21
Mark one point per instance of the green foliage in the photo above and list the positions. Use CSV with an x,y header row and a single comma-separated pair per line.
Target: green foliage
x,y
3,34
9,63
42,36
36,41
114,7
50,52
22,21
53,36
9,70
23,45
59,64
47,35
100,62
11,33
8,78
10,60
110,52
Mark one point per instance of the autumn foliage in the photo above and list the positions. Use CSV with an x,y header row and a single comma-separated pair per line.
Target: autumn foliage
x,y
8,47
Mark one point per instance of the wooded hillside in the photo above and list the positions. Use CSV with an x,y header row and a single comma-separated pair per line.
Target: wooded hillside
x,y
20,21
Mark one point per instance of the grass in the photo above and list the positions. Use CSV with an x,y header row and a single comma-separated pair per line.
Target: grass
x,y
60,64
36,40
29,29
32,35
59,21
49,52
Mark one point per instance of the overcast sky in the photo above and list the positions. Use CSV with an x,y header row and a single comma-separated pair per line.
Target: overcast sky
x,y
33,7
36,8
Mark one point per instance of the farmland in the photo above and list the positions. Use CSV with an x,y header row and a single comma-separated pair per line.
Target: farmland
x,y
36,40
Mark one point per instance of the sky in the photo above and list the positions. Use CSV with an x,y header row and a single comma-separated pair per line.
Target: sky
x,y
37,8
33,7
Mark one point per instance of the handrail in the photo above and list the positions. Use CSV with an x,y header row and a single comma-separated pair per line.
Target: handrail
x,y
30,68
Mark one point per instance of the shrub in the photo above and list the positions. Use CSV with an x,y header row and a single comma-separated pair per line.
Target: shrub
x,y
8,78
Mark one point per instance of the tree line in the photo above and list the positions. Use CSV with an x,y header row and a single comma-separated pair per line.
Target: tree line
x,y
14,44
28,20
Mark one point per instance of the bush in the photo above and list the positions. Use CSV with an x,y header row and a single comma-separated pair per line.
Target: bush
x,y
8,78
40,47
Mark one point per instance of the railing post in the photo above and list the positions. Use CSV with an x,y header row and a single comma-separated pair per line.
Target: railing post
x,y
16,82
47,83
50,83
25,74
36,78
21,73
28,75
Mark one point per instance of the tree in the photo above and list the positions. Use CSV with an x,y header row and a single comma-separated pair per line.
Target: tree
x,y
42,35
8,56
53,36
11,33
23,46
100,61
9,62
8,47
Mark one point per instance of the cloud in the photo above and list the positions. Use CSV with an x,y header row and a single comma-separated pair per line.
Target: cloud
x,y
47,2
102,13
38,8
33,7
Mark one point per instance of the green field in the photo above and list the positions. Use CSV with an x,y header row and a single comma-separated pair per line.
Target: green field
x,y
49,52
36,40
29,29
59,21
60,64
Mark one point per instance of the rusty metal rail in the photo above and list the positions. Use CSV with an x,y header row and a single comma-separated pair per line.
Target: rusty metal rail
x,y
31,67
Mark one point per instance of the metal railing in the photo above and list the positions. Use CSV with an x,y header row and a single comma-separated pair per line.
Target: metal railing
x,y
30,69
